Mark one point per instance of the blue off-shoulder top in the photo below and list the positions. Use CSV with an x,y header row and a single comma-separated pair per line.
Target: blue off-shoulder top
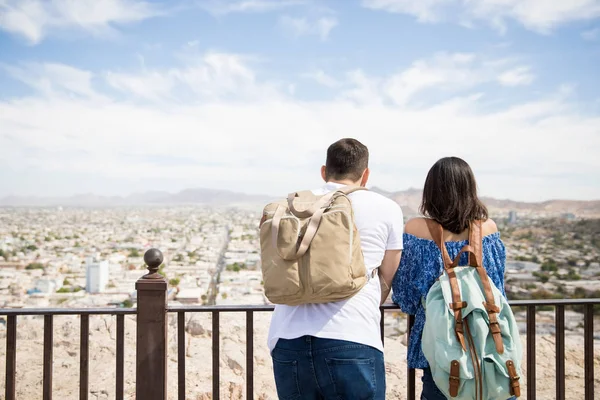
x,y
420,265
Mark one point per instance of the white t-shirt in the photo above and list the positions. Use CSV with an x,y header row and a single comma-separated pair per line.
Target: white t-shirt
x,y
380,225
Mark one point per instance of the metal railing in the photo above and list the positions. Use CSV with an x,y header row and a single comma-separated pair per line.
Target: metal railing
x,y
151,344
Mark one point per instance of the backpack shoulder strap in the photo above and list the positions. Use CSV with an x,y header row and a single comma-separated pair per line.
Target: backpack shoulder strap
x,y
476,242
476,260
437,234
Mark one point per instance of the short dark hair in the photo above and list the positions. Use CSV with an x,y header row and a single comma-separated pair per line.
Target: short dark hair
x,y
346,159
450,195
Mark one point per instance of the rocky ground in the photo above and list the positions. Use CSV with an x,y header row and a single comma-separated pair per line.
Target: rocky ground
x,y
233,359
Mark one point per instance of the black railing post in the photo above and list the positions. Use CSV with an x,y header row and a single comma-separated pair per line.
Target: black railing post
x,y
531,352
588,332
410,372
151,348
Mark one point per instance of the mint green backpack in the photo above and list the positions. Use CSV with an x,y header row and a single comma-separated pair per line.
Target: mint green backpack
x,y
470,338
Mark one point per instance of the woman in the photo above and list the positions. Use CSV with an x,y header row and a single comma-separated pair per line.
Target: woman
x,y
449,198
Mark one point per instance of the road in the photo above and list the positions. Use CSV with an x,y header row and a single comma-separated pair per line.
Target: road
x,y
213,290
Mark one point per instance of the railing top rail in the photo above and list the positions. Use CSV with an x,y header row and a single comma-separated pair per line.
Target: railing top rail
x,y
260,308
553,302
67,311
244,308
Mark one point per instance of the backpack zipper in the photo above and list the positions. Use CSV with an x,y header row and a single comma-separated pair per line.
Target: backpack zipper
x,y
474,361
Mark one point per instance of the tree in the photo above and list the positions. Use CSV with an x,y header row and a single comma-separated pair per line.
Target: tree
x,y
133,253
542,277
174,282
66,282
127,304
549,265
34,266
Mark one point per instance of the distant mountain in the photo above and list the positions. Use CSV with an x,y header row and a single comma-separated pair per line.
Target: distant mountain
x,y
187,196
409,200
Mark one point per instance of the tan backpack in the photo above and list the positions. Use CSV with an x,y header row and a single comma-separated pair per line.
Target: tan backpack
x,y
310,249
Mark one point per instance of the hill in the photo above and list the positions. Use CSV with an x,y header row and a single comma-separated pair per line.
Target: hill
x,y
409,200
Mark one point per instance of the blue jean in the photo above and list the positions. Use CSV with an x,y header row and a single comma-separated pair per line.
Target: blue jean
x,y
431,391
314,368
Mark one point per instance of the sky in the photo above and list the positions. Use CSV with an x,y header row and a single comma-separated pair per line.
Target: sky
x,y
114,97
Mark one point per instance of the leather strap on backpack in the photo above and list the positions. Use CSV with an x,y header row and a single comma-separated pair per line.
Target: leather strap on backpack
x,y
476,260
436,231
454,378
475,251
515,387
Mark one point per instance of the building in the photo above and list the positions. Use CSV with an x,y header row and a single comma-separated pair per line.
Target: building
x,y
512,217
45,285
96,276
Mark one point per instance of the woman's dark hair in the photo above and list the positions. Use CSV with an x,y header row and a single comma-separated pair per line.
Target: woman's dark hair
x,y
450,195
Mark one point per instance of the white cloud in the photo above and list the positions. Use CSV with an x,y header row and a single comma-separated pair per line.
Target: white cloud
x,y
304,27
211,76
54,79
222,7
235,129
425,10
538,15
520,76
34,19
591,35
443,75
322,78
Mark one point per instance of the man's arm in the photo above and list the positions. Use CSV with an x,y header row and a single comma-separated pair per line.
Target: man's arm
x,y
387,270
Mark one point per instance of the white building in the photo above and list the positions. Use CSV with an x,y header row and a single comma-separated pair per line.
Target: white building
x,y
47,286
96,276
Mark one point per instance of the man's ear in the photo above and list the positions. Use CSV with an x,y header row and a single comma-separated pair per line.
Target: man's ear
x,y
324,173
365,177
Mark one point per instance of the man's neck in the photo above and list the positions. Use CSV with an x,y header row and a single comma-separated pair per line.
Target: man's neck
x,y
344,182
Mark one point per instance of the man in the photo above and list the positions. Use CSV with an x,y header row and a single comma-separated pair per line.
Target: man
x,y
334,350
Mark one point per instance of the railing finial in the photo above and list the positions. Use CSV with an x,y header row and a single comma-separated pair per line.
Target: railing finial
x,y
153,259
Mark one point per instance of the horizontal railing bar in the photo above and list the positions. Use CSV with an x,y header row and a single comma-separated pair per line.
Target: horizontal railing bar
x,y
67,311
553,302
259,308
243,308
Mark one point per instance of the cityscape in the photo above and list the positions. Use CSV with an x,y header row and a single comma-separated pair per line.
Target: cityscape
x,y
90,257
79,257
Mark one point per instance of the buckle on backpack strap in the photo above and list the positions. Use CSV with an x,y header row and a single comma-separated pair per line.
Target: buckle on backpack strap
x,y
495,327
515,386
458,306
491,308
454,381
458,326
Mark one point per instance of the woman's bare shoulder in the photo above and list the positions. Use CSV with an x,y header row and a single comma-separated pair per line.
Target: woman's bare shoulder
x,y
418,227
489,227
